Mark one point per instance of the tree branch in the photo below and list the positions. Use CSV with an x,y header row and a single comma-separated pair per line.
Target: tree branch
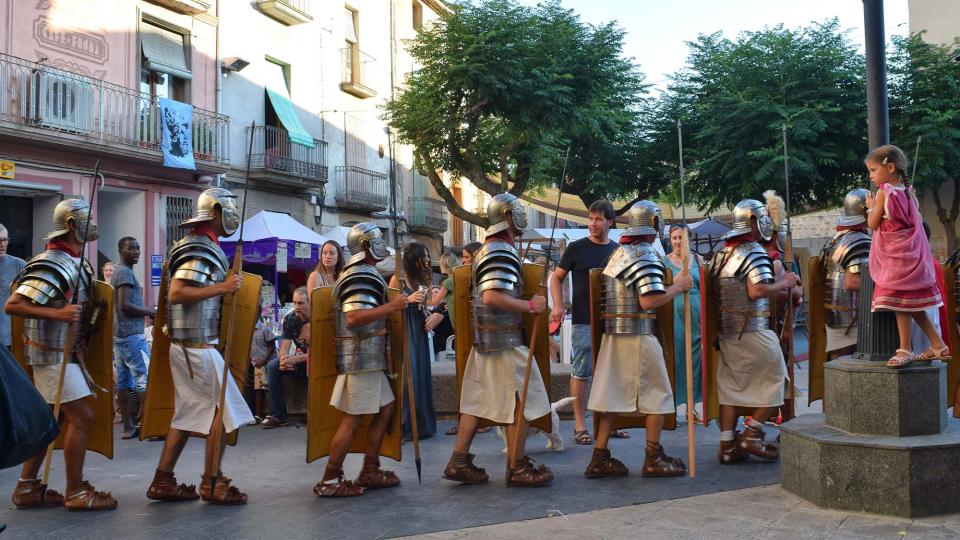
x,y
452,204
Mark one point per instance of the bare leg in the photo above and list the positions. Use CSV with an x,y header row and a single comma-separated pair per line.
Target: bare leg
x,y
468,428
760,414
79,418
340,444
378,428
925,324
578,389
31,467
654,425
211,447
903,328
604,422
728,418
172,447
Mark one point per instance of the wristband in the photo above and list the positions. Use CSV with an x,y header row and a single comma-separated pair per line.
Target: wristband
x,y
530,305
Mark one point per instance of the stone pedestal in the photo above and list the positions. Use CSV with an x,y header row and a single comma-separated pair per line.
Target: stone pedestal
x,y
885,444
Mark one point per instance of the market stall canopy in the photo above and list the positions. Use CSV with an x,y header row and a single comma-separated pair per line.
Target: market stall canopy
x,y
263,235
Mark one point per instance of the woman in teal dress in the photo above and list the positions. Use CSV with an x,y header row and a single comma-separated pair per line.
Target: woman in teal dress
x,y
675,263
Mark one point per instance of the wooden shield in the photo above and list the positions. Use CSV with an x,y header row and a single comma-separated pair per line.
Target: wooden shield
x,y
816,326
159,401
709,347
99,363
463,320
953,367
532,276
323,419
665,336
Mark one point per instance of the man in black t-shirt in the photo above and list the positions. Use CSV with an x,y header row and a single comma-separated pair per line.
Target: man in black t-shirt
x,y
580,257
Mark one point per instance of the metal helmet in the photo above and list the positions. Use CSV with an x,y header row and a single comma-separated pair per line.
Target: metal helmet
x,y
643,218
744,212
854,208
365,238
208,201
78,212
501,206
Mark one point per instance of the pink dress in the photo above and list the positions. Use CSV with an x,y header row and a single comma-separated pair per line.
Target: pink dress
x,y
901,264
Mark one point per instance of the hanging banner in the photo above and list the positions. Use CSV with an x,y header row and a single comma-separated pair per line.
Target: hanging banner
x,y
281,257
301,250
176,125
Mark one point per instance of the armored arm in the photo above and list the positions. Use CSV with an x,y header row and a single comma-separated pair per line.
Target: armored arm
x,y
361,294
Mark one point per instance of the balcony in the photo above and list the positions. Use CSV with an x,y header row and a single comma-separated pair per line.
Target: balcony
x,y
428,215
58,109
187,7
278,161
361,189
289,12
354,73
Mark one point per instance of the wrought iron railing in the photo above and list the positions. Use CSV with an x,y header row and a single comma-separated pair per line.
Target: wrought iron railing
x,y
361,189
428,214
273,151
33,94
354,79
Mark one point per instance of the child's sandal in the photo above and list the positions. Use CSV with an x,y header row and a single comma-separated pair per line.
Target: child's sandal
x,y
930,355
901,358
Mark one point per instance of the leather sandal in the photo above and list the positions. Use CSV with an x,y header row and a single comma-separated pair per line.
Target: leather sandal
x,y
582,437
900,359
751,440
335,485
526,475
32,494
730,452
87,499
603,465
223,493
461,469
658,464
931,354
165,488
373,477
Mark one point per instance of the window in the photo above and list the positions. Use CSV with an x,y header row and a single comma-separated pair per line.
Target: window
x,y
351,60
417,16
179,209
164,70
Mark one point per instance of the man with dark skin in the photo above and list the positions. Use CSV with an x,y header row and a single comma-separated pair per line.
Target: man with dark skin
x,y
129,340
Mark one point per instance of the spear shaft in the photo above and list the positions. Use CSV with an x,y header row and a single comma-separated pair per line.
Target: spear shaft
x,y
688,339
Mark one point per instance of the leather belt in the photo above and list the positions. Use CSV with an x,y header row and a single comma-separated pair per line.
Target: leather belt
x,y
192,344
41,346
628,315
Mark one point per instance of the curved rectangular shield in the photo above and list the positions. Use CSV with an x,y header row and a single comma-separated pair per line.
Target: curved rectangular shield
x,y
953,367
709,348
323,419
816,281
532,276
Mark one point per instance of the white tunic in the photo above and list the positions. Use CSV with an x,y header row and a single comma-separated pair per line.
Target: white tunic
x,y
492,383
75,386
751,371
197,397
631,376
362,393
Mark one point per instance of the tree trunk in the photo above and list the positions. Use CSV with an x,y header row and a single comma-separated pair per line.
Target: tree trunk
x,y
948,219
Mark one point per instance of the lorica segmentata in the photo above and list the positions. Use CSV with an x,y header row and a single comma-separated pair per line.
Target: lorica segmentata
x,y
847,252
361,348
496,266
631,272
733,267
199,261
48,280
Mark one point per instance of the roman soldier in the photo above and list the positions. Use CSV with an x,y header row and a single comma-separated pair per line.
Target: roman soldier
x,y
55,299
843,257
751,372
361,309
631,375
196,281
494,371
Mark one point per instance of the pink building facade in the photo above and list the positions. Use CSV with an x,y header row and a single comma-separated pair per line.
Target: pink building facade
x,y
80,82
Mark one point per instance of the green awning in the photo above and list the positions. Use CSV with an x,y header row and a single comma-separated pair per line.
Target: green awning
x,y
288,117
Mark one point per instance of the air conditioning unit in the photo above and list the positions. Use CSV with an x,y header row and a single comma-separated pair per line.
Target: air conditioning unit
x,y
61,100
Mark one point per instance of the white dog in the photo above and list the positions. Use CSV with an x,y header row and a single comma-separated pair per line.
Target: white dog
x,y
554,440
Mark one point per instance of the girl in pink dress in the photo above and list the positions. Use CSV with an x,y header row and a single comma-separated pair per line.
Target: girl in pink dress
x,y
901,264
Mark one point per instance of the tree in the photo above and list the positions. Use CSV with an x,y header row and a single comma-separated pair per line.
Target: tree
x,y
503,90
733,97
924,93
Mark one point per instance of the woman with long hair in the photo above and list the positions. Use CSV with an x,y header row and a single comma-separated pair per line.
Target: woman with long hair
x,y
417,274
328,268
675,264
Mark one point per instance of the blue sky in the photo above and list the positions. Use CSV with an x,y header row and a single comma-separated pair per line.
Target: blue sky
x,y
657,30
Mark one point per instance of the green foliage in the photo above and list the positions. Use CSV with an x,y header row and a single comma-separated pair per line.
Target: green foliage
x,y
924,82
733,97
504,89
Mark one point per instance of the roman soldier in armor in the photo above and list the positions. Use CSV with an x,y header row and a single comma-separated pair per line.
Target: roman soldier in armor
x,y
361,309
43,295
844,256
494,372
751,372
631,374
197,281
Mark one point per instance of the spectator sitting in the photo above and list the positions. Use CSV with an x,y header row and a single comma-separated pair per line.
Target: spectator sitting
x,y
263,349
291,334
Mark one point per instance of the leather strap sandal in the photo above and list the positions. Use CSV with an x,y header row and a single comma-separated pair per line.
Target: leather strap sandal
x,y
900,359
335,485
461,469
165,488
658,464
373,477
526,475
752,441
32,494
223,493
603,465
87,499
730,452
931,354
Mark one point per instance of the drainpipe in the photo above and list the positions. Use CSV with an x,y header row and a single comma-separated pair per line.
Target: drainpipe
x,y
394,188
217,76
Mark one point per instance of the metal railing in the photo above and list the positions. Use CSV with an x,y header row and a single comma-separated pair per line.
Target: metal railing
x,y
428,214
32,94
273,151
354,69
301,5
361,189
